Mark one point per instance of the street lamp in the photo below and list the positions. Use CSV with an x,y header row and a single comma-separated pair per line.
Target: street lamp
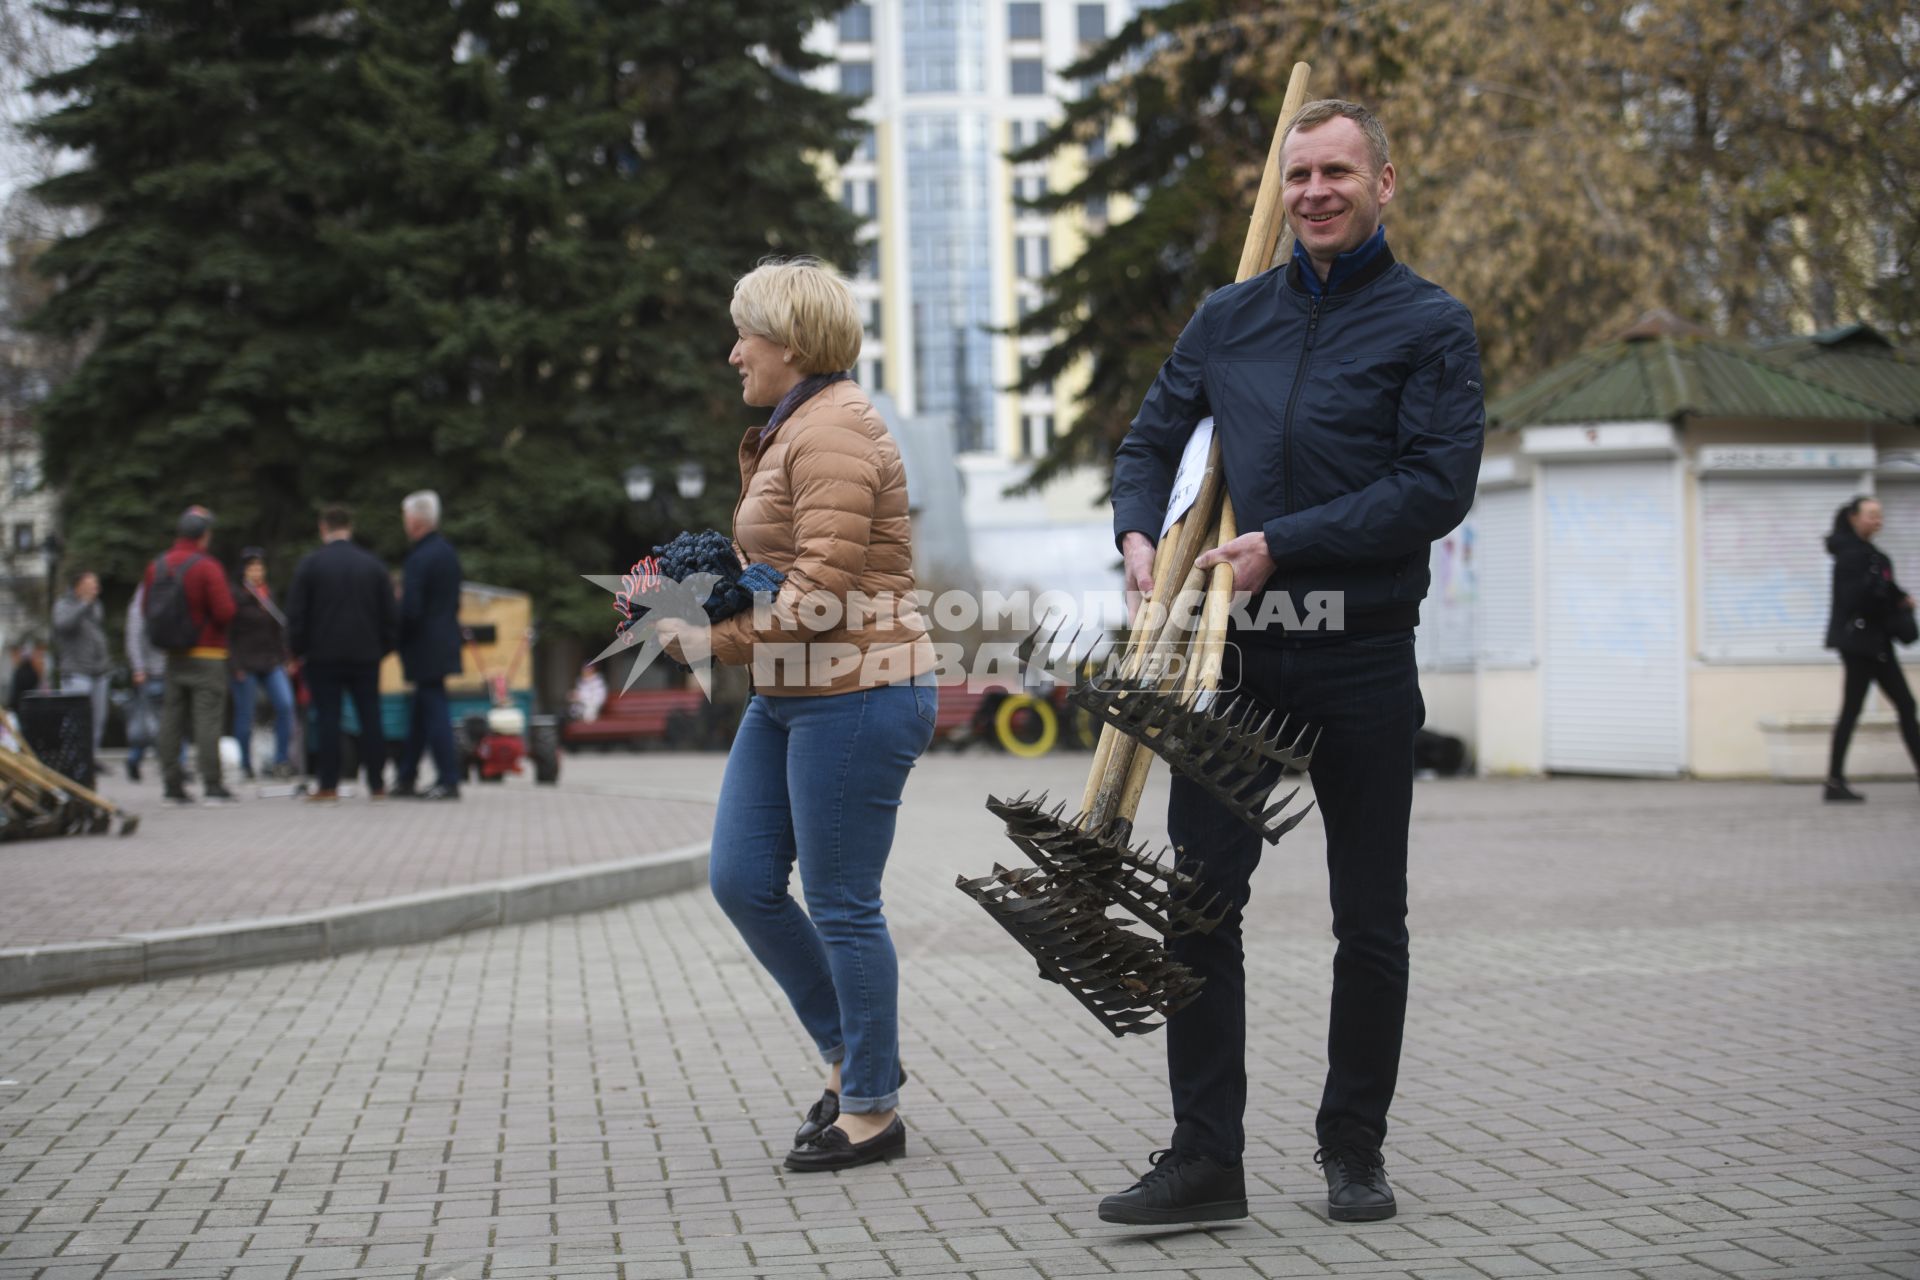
x,y
639,482
690,479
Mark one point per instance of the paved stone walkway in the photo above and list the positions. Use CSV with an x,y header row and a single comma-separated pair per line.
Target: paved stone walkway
x,y
1658,1030
282,856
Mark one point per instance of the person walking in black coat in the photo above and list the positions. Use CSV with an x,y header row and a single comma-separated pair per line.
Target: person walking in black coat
x,y
1866,600
341,620
429,647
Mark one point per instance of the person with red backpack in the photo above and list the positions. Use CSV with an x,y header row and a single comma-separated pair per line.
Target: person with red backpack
x,y
188,607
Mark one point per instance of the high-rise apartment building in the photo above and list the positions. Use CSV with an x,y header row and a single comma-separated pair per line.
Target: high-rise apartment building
x,y
947,255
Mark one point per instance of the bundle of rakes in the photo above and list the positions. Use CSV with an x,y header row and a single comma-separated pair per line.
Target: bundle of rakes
x,y
1162,696
35,801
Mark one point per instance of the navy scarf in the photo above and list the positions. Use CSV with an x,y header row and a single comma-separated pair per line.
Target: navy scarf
x,y
804,390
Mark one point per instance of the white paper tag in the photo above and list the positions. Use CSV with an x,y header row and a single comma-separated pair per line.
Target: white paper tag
x,y
1193,469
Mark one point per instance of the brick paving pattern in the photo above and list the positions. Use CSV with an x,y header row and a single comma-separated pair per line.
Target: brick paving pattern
x,y
282,856
1658,1030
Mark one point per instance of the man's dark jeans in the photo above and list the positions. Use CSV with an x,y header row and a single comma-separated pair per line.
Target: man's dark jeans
x,y
361,682
1363,695
430,726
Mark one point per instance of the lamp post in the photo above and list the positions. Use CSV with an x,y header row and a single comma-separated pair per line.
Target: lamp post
x,y
50,547
643,489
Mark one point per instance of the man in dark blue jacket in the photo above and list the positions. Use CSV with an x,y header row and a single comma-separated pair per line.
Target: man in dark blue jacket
x,y
341,621
429,647
1346,394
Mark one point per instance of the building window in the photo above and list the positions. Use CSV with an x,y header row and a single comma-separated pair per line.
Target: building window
x,y
1023,22
1092,20
1032,257
872,324
1036,433
868,147
876,376
1097,149
866,264
856,24
860,196
1027,77
1031,187
1097,209
856,79
23,536
23,481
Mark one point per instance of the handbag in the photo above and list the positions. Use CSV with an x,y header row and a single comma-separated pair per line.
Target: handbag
x,y
1902,626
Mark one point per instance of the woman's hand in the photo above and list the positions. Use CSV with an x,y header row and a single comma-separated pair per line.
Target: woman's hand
x,y
672,634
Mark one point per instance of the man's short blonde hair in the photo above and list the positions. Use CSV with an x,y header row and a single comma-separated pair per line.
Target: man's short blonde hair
x,y
803,304
1321,110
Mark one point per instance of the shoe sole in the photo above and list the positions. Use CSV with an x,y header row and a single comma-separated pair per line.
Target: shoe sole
x,y
1378,1214
1218,1211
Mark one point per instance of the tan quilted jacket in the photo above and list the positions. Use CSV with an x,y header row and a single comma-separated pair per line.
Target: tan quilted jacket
x,y
825,502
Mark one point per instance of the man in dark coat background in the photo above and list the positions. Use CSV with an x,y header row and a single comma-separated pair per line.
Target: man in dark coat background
x,y
429,647
341,620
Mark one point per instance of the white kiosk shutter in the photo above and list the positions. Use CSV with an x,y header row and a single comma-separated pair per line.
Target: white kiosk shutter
x,y
1502,522
1614,689
1767,578
1900,535
1444,640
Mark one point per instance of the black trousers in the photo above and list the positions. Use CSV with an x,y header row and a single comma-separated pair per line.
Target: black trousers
x,y
1363,695
1863,670
361,682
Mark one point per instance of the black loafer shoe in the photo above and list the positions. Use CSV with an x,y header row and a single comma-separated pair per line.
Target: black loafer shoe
x,y
820,1118
1357,1189
833,1149
1840,793
1180,1188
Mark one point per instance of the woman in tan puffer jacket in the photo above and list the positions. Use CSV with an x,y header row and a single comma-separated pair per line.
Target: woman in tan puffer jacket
x,y
843,699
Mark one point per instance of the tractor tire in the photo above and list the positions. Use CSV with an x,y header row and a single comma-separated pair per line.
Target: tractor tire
x,y
1025,726
543,748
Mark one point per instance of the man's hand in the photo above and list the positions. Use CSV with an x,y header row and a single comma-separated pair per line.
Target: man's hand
x,y
1136,553
139,678
1252,565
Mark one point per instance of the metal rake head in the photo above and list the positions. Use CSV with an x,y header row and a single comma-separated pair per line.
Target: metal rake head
x,y
1122,978
1231,746
1160,891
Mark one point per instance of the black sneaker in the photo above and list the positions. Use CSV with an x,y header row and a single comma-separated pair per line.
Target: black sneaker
x,y
176,794
439,791
1840,793
1180,1188
217,794
133,771
1357,1189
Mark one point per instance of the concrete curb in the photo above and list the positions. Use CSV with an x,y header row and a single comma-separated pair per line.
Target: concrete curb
x,y
389,922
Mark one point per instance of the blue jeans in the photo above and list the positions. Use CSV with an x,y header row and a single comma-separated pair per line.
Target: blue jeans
x,y
818,780
280,693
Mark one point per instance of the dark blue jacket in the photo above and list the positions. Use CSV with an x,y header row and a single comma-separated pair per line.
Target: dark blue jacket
x,y
1350,425
430,611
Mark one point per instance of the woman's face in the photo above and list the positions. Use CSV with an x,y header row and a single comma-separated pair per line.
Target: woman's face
x,y
765,373
1866,521
256,573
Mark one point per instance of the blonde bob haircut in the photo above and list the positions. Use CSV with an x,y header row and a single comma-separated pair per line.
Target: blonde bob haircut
x,y
804,305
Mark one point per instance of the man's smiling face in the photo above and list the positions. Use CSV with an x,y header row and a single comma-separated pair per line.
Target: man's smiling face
x,y
1332,195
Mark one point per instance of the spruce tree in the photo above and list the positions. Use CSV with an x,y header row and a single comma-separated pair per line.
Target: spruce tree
x,y
505,241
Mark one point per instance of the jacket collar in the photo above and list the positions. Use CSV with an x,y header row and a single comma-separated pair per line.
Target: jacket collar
x,y
1352,271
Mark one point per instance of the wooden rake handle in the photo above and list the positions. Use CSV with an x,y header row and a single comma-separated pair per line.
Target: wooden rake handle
x,y
1120,766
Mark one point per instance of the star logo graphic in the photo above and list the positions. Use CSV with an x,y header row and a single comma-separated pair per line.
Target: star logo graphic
x,y
664,598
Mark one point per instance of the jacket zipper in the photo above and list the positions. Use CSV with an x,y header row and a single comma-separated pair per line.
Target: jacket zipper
x,y
1293,398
